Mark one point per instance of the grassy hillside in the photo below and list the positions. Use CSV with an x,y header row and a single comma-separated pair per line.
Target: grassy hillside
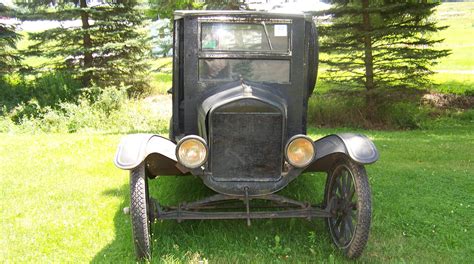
x,y
455,73
459,17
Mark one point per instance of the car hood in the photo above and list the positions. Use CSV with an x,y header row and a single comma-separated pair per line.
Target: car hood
x,y
237,91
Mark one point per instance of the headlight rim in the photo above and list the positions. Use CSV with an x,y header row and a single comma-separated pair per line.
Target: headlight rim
x,y
195,137
288,144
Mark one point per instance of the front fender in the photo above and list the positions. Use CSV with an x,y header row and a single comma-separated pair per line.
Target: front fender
x,y
358,147
159,152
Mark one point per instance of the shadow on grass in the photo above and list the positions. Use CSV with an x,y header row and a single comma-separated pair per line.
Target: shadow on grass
x,y
222,240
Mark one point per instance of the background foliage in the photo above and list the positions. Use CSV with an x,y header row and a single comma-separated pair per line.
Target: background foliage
x,y
62,199
165,8
9,58
57,80
108,47
380,44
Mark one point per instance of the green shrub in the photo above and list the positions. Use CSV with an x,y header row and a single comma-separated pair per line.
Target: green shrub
x,y
405,115
467,115
30,109
391,109
110,99
13,91
6,124
44,90
53,121
137,116
52,88
81,116
469,92
331,110
111,112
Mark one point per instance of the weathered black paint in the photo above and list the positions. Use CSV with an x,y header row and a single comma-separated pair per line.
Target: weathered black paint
x,y
188,89
256,157
246,124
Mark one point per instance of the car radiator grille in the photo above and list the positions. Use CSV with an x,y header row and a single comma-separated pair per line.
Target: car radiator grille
x,y
246,146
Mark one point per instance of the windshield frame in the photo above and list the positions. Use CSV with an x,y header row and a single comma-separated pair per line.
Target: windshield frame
x,y
237,53
245,54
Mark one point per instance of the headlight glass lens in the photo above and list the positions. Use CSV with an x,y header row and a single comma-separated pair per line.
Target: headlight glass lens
x,y
192,153
300,152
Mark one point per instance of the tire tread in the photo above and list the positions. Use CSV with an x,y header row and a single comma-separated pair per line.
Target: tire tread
x,y
139,214
361,235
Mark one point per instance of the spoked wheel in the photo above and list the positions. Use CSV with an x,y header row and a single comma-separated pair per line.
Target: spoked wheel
x,y
140,212
348,195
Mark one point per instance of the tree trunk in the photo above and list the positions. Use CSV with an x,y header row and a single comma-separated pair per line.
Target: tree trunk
x,y
87,44
368,61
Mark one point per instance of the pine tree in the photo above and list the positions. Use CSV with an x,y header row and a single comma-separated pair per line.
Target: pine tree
x,y
108,47
9,58
162,9
165,8
379,44
224,4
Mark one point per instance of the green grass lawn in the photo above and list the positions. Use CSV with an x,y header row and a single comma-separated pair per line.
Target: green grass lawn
x,y
459,17
456,72
61,200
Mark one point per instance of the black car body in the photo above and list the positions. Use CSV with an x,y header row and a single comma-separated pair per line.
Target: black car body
x,y
241,84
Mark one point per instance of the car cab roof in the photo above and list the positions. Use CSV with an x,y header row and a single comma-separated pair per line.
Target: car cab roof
x,y
239,13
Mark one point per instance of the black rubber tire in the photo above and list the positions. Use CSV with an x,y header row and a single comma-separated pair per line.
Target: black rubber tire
x,y
140,212
360,210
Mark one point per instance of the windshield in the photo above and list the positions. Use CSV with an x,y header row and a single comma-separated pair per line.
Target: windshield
x,y
245,37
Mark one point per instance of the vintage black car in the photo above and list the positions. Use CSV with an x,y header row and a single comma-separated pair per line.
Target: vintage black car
x,y
241,83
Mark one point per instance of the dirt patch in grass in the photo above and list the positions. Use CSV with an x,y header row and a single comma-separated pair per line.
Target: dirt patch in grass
x,y
448,101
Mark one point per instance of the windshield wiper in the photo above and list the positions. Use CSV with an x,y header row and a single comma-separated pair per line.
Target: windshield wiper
x,y
266,34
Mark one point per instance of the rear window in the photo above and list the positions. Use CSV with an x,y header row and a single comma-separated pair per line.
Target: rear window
x,y
245,37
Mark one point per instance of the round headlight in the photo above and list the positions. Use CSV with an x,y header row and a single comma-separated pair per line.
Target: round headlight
x,y
300,151
191,151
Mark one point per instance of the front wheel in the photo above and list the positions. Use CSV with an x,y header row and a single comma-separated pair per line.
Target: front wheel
x,y
348,196
140,212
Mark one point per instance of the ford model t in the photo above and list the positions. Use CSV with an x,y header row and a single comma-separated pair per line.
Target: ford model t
x,y
241,83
